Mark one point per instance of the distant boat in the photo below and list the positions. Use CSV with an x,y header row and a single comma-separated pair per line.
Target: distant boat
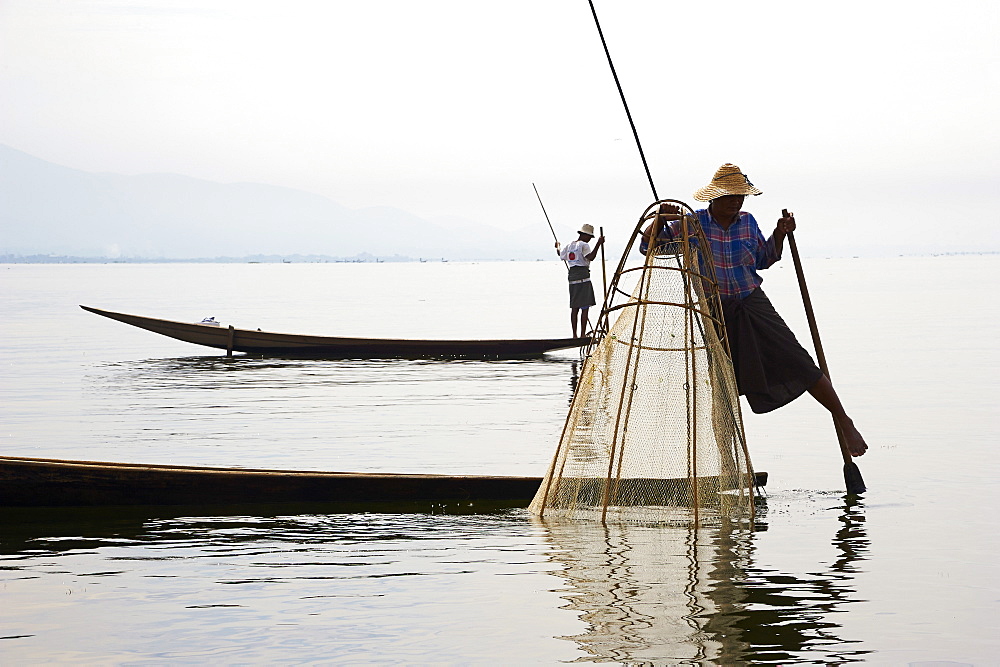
x,y
35,482
329,347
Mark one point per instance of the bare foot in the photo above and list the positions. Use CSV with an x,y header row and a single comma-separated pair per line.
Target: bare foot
x,y
856,444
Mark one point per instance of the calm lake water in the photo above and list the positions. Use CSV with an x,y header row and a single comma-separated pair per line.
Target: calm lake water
x,y
905,575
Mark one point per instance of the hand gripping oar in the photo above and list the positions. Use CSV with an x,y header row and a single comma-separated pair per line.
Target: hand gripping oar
x,y
852,475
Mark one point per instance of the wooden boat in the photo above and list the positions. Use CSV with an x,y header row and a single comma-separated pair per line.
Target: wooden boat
x,y
32,482
36,482
328,347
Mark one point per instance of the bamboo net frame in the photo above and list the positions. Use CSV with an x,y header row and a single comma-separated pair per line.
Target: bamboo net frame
x,y
655,432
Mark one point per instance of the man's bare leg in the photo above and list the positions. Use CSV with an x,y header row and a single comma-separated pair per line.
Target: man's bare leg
x,y
583,321
824,392
572,319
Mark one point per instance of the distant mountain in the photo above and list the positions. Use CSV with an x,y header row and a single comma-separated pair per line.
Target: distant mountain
x,y
50,209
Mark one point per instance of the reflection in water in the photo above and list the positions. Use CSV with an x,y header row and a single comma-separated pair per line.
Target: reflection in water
x,y
852,539
640,590
654,594
26,532
784,618
574,378
220,372
272,587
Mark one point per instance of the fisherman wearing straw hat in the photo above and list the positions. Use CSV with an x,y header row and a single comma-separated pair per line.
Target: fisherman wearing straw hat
x,y
578,255
772,368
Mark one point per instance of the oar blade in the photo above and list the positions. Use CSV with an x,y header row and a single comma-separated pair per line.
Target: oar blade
x,y
852,478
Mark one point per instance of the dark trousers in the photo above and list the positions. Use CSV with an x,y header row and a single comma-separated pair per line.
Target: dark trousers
x,y
772,368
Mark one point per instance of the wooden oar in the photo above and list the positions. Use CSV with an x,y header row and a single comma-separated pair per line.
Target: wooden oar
x,y
604,272
852,475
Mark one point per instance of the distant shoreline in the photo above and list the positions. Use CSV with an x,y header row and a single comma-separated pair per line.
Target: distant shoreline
x,y
252,259
358,259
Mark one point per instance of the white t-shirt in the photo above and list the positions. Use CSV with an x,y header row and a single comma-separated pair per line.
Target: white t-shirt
x,y
575,253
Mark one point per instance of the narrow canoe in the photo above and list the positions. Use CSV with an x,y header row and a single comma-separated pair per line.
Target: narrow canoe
x,y
328,347
35,482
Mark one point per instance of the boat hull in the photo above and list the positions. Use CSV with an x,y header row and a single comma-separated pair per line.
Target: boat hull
x,y
35,482
28,482
268,343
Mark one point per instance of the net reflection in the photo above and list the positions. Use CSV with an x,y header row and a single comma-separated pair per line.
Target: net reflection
x,y
680,594
646,593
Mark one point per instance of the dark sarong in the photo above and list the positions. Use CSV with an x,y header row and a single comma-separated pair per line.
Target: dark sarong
x,y
581,290
772,369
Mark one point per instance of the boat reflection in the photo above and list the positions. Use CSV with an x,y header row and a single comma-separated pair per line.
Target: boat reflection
x,y
29,532
201,370
674,594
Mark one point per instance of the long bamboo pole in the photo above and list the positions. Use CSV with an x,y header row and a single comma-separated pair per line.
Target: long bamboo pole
x,y
546,213
621,93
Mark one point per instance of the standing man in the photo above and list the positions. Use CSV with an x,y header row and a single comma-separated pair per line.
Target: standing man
x,y
578,256
772,369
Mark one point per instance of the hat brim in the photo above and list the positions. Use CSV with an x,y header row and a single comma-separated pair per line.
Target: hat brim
x,y
710,192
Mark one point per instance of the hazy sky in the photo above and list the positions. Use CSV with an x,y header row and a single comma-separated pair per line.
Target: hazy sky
x,y
876,122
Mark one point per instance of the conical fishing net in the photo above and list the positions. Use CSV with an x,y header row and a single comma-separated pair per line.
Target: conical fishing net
x,y
654,432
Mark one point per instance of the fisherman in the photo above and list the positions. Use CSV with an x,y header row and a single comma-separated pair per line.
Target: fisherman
x,y
772,369
578,256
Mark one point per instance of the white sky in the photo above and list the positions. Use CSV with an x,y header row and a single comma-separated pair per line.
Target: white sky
x,y
876,122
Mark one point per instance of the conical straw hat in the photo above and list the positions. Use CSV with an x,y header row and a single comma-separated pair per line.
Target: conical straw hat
x,y
728,180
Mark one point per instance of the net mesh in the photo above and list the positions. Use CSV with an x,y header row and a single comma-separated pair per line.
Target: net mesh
x,y
654,432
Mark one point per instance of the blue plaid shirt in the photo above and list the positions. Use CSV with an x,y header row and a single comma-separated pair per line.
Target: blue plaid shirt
x,y
739,252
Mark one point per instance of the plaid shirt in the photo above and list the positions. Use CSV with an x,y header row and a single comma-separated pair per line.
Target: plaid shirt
x,y
739,252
